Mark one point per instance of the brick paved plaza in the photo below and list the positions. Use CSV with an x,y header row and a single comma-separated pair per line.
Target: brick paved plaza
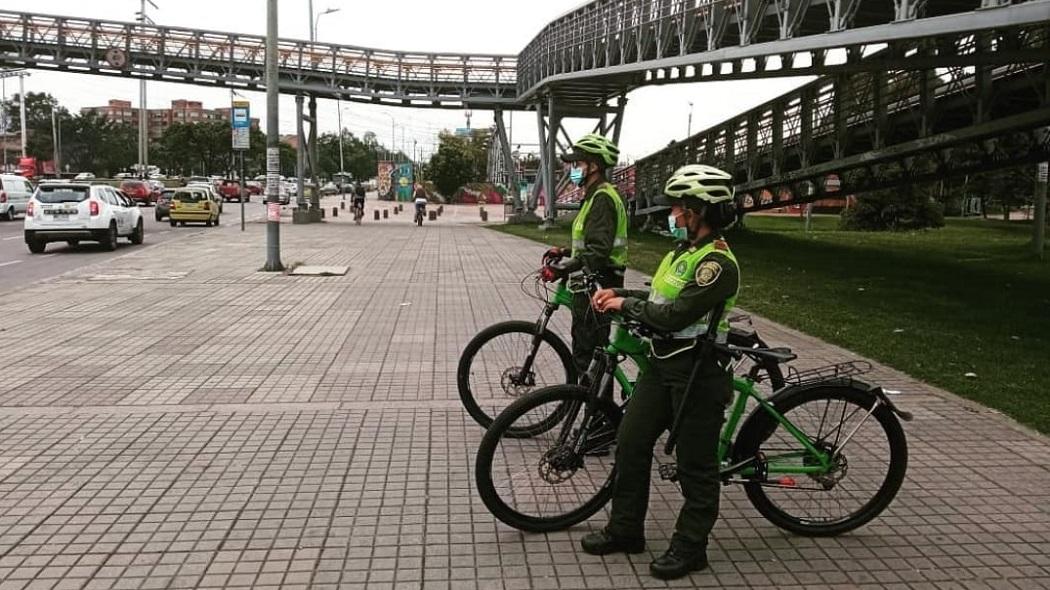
x,y
176,419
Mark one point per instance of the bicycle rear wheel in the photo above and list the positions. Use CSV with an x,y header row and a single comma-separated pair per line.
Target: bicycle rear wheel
x,y
492,373
559,477
869,459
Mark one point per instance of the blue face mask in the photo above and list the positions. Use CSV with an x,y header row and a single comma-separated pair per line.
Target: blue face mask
x,y
576,176
678,233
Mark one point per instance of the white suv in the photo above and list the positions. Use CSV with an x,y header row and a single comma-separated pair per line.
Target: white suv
x,y
73,212
14,194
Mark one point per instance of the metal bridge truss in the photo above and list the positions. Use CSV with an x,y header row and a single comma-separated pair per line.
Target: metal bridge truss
x,y
209,58
607,47
872,130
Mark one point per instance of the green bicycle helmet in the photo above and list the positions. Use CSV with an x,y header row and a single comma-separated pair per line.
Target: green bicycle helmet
x,y
595,148
704,189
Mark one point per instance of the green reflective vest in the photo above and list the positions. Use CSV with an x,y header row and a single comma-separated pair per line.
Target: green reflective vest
x,y
618,256
673,275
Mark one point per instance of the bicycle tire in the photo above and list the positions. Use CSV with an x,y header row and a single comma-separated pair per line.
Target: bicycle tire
x,y
559,396
467,393
760,426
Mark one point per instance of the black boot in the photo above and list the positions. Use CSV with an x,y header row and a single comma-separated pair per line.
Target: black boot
x,y
602,543
678,561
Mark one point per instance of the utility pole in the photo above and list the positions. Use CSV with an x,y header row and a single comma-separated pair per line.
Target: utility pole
x,y
339,111
273,146
143,115
22,108
56,154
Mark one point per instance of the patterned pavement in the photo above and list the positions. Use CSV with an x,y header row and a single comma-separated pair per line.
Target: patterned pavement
x,y
173,418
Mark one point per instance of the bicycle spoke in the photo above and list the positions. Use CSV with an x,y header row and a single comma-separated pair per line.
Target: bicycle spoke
x,y
542,476
854,477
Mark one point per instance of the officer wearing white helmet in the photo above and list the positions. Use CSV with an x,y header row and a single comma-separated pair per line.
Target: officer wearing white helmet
x,y
695,280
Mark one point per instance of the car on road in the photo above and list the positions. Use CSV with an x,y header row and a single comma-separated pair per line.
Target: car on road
x,y
138,190
163,206
15,192
230,190
156,187
84,176
210,188
75,212
254,187
194,204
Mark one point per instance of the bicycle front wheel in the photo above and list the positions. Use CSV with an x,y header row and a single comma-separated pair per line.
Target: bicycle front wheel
x,y
494,369
869,457
557,478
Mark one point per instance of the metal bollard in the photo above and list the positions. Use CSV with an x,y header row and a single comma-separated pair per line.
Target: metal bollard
x,y
385,214
335,211
376,212
441,209
432,215
484,215
322,212
342,205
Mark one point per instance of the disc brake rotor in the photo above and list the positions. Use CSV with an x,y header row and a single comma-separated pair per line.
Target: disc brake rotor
x,y
515,383
559,464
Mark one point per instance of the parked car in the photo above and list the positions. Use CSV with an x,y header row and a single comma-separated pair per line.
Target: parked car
x,y
84,176
15,192
194,204
163,208
254,187
75,211
230,190
139,191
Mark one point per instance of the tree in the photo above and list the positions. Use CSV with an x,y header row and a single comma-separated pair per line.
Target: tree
x,y
458,161
92,143
39,106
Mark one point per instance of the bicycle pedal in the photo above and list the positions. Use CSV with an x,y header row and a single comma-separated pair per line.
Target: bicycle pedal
x,y
669,472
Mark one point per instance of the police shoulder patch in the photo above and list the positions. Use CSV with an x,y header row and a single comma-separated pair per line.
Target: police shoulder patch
x,y
707,272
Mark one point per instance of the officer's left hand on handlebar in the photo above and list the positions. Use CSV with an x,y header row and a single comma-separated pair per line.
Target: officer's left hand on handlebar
x,y
553,271
554,253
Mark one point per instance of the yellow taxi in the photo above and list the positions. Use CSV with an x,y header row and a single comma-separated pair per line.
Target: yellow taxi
x,y
194,205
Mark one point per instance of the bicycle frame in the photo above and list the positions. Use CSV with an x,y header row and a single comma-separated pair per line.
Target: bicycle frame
x,y
745,390
623,344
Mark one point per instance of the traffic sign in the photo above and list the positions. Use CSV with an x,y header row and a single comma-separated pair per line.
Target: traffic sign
x,y
241,122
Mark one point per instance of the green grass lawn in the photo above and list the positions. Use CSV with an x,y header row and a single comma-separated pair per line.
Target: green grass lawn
x,y
935,304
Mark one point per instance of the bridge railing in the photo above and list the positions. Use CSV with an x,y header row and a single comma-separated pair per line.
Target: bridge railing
x,y
805,120
90,39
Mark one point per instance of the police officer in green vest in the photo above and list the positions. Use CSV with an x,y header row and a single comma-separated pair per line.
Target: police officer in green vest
x,y
599,241
691,284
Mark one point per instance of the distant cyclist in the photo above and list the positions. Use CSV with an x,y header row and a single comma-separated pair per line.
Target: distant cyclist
x,y
421,203
359,197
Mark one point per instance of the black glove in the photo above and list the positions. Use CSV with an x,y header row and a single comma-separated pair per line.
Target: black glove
x,y
554,253
552,271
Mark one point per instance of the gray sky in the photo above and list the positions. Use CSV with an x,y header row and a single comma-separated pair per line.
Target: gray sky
x,y
655,115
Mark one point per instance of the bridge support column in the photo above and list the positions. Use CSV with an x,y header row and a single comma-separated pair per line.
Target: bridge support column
x,y
549,118
509,167
306,211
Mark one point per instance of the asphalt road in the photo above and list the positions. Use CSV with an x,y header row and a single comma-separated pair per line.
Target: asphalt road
x,y
19,267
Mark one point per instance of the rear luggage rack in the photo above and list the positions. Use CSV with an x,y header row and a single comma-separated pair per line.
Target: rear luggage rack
x,y
827,372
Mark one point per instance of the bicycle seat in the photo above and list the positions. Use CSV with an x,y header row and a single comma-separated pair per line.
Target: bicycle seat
x,y
775,355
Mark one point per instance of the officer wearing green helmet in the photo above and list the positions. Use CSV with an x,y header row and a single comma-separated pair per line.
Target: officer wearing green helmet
x,y
695,280
599,241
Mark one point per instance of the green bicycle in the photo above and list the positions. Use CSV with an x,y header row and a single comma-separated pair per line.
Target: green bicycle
x,y
510,359
821,456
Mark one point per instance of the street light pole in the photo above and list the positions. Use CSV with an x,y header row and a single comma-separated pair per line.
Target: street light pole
x,y
143,114
22,109
273,146
339,112
689,127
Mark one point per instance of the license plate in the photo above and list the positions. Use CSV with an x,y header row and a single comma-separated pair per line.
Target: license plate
x,y
60,212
